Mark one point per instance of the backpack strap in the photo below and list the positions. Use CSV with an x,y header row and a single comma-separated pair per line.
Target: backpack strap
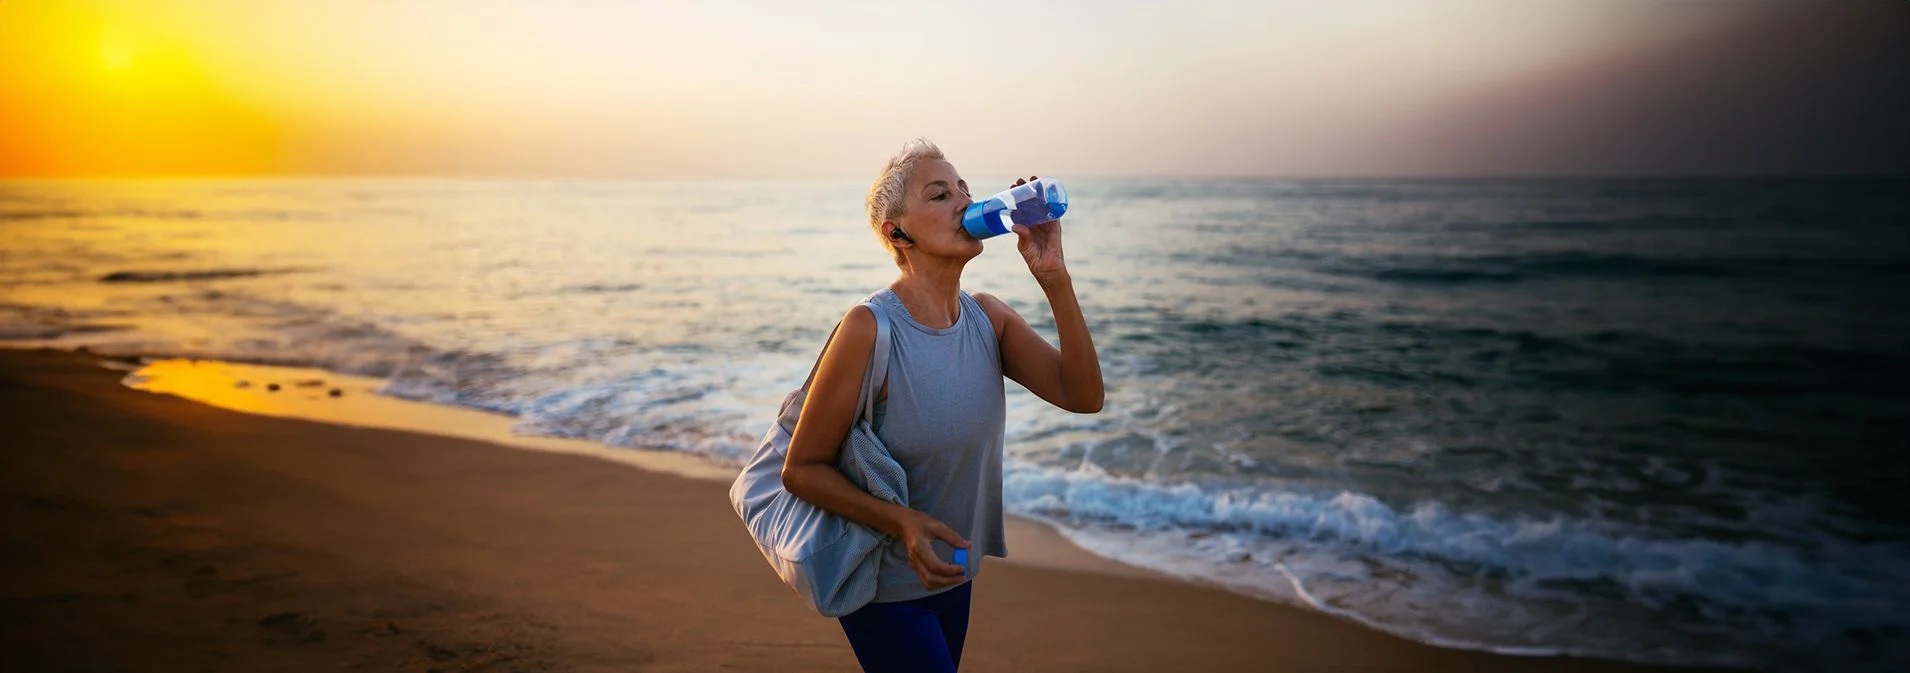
x,y
878,372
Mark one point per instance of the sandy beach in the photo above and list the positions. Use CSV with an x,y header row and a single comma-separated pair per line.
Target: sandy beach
x,y
150,532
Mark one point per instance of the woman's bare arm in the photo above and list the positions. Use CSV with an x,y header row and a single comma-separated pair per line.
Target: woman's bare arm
x,y
1069,377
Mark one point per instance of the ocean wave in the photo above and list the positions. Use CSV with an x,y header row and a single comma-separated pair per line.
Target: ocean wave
x,y
16,332
1823,593
601,288
1605,360
189,274
457,377
57,213
233,325
28,322
1654,570
631,398
1548,227
50,214
1509,268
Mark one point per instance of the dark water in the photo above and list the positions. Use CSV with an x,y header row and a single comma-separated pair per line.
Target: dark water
x,y
1653,420
1582,414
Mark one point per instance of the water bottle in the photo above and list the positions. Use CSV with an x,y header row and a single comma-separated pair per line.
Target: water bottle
x,y
1028,204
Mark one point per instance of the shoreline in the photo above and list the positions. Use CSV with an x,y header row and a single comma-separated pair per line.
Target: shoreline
x,y
513,532
217,383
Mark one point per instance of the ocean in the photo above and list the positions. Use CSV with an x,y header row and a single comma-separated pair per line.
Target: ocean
x,y
1650,420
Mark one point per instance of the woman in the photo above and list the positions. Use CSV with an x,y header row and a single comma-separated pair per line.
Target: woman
x,y
941,411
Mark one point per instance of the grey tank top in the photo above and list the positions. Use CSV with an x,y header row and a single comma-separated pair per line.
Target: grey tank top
x,y
943,421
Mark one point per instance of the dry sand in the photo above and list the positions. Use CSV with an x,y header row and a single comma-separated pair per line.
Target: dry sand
x,y
148,532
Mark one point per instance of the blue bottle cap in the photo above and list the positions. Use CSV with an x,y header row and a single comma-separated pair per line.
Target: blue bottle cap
x,y
961,559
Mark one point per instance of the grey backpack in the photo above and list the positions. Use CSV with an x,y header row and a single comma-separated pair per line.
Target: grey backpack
x,y
829,560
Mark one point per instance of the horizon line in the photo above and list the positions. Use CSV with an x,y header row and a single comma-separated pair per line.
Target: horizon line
x,y
1214,177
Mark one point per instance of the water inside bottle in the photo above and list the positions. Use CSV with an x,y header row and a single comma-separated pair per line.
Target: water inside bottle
x,y
1036,209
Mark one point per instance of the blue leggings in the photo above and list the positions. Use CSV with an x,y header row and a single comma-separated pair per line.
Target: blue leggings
x,y
923,635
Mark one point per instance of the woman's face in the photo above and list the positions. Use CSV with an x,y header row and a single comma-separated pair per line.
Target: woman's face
x,y
936,196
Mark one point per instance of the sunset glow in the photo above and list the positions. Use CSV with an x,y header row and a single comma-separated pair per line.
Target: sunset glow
x,y
88,93
747,89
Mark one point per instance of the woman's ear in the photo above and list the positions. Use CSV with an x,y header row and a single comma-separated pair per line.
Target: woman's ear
x,y
896,236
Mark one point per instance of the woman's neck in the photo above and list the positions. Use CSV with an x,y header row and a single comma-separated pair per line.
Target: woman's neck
x,y
932,295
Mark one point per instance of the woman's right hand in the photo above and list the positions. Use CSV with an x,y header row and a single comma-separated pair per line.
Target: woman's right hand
x,y
918,531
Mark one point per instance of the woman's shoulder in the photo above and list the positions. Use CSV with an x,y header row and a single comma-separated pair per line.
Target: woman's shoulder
x,y
860,316
854,336
863,314
858,320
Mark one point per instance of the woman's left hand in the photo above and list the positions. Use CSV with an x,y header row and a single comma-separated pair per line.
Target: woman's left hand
x,y
1040,246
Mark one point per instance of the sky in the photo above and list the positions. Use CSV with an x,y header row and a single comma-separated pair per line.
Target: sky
x,y
829,89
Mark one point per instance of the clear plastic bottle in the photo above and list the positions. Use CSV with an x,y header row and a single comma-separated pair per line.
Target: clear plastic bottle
x,y
1026,204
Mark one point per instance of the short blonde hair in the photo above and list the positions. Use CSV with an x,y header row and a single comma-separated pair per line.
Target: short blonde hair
x,y
888,194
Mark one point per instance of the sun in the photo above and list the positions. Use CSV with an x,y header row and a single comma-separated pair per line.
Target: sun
x,y
118,51
87,92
